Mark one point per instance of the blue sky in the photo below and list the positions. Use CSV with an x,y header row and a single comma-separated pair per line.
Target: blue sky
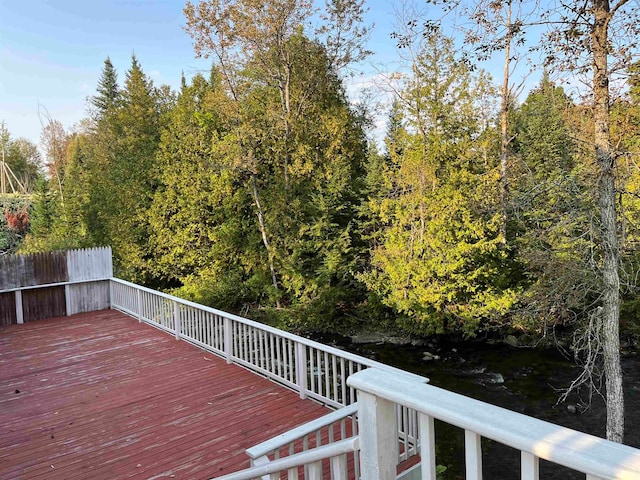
x,y
52,52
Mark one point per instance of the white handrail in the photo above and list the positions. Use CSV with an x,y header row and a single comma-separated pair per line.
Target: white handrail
x,y
285,438
596,457
310,456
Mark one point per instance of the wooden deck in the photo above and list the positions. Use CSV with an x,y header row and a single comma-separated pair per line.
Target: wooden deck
x,y
99,395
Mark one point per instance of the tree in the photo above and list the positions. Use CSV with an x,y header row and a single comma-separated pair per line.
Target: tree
x,y
200,236
54,140
133,130
587,39
441,263
277,78
108,91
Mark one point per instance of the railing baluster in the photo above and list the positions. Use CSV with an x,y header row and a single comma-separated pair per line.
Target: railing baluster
x,y
176,319
228,337
427,446
326,373
473,455
279,343
315,471
343,384
320,372
301,369
530,467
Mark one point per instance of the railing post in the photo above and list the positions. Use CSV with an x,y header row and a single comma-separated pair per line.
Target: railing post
x,y
67,299
301,369
176,319
227,339
378,437
111,283
139,305
19,314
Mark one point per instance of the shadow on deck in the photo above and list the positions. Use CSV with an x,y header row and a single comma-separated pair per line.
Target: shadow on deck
x,y
99,395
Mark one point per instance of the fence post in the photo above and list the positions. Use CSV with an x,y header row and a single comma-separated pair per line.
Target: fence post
x,y
227,339
176,319
67,299
378,437
301,369
19,314
139,305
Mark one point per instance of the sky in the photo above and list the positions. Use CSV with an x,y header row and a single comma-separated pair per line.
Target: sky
x,y
52,53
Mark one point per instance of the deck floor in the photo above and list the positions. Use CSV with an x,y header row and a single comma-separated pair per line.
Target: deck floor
x,y
99,395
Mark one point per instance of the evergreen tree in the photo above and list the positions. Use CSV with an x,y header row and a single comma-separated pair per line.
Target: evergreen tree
x,y
440,264
551,211
200,236
107,91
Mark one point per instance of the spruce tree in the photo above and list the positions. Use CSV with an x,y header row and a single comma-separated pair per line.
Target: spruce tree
x,y
107,91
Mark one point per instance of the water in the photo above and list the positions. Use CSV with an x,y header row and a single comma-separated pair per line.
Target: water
x,y
524,380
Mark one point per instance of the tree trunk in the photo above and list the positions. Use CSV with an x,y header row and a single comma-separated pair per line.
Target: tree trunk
x,y
504,129
265,238
609,236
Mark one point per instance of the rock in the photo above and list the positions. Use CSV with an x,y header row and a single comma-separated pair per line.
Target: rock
x,y
427,358
418,342
454,350
496,378
572,409
395,340
367,337
430,356
511,340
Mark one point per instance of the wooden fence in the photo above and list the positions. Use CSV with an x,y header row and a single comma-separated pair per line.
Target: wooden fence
x,y
53,284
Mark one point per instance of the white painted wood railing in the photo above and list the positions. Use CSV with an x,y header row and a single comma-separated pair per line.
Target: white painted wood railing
x,y
312,369
379,393
334,427
311,459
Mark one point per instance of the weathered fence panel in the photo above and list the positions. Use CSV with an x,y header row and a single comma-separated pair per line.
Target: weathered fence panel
x,y
40,303
89,264
35,269
7,309
9,268
48,267
88,297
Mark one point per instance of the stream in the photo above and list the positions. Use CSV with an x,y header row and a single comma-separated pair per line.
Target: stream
x,y
524,380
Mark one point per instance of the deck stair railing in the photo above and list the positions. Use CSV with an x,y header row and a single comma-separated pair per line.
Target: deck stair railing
x,y
334,427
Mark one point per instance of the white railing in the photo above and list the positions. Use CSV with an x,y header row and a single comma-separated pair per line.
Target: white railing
x,y
310,459
380,392
310,368
334,427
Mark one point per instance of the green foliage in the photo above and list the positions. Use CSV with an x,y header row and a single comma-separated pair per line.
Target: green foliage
x,y
439,262
552,213
108,92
